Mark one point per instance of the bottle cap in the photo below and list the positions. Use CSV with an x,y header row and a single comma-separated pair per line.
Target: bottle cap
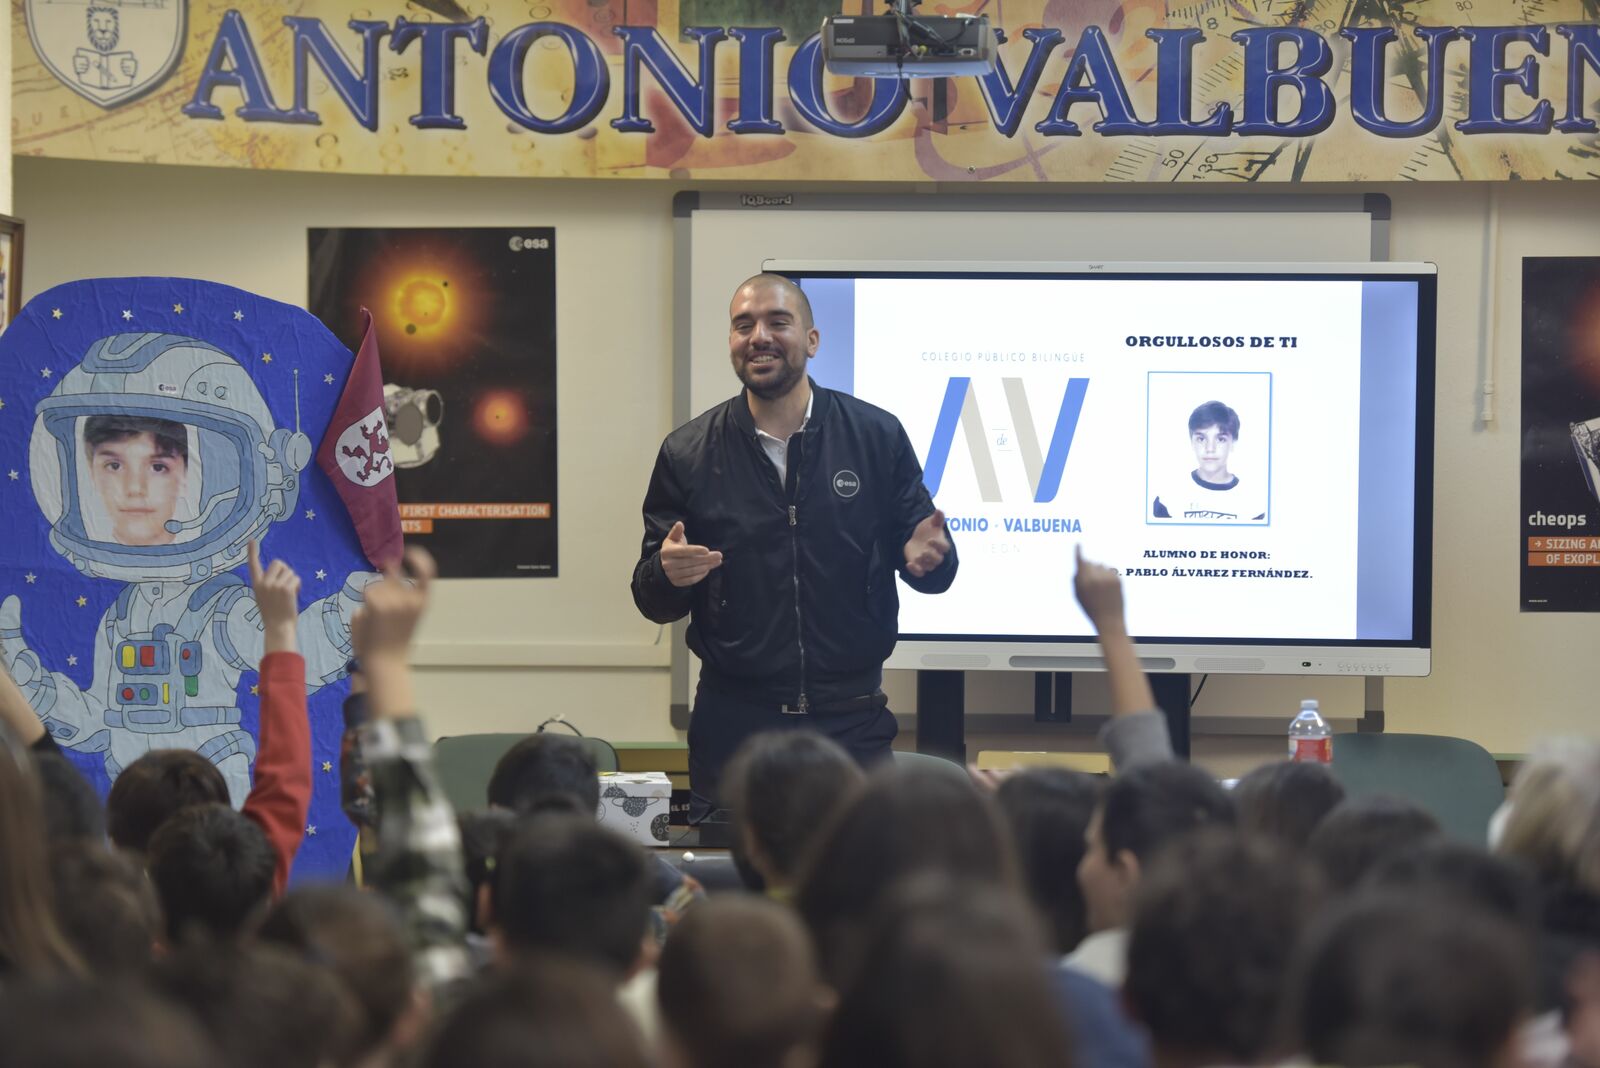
x,y
1308,705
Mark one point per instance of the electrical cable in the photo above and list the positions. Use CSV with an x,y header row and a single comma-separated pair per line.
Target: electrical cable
x,y
563,721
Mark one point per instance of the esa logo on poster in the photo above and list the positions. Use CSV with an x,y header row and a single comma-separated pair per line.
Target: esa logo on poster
x,y
108,51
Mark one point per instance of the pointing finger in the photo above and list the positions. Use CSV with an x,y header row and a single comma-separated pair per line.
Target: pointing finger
x,y
255,562
420,563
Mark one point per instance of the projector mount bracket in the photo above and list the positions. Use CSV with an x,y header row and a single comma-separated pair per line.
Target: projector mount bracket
x,y
916,36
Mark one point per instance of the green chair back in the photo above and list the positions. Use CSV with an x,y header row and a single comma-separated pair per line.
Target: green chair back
x,y
465,762
929,762
1456,780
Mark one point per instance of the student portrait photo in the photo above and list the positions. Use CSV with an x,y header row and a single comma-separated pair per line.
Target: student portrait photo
x,y
1212,466
138,487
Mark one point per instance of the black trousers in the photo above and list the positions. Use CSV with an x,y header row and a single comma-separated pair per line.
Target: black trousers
x,y
719,724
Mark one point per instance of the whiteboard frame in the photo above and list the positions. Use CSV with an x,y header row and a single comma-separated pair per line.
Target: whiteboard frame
x,y
690,203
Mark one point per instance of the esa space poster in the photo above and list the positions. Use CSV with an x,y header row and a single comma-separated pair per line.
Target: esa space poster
x,y
1560,522
466,322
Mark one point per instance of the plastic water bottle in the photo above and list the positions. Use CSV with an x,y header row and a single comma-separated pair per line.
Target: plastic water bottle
x,y
1309,736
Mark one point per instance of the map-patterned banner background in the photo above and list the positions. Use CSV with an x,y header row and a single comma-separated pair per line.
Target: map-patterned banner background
x,y
1088,90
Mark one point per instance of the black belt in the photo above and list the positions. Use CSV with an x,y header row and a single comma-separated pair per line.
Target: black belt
x,y
865,703
868,702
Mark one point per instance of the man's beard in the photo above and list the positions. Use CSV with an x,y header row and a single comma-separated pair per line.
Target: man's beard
x,y
774,387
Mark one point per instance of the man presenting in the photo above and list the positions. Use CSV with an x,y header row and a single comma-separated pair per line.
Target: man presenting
x,y
777,521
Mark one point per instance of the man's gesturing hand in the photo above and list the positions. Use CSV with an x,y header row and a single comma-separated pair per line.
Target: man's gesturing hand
x,y
928,545
683,563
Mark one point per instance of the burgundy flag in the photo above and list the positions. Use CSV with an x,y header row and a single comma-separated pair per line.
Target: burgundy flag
x,y
354,454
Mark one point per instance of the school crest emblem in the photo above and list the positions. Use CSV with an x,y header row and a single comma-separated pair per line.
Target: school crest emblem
x,y
363,450
108,51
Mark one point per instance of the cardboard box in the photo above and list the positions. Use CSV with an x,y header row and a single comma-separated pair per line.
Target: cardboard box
x,y
635,804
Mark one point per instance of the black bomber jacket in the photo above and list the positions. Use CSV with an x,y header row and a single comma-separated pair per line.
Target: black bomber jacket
x,y
803,611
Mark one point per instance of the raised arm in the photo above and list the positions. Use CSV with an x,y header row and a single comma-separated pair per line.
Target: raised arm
x,y
280,795
1137,732
417,861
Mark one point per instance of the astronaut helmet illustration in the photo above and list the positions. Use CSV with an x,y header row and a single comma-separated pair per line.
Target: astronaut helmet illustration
x,y
413,416
156,458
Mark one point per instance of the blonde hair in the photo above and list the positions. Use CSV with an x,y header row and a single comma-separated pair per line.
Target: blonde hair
x,y
1554,822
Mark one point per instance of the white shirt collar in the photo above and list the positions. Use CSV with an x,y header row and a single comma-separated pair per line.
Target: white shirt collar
x,y
1102,955
810,402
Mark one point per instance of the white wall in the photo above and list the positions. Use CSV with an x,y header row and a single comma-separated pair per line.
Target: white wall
x,y
501,655
497,655
5,128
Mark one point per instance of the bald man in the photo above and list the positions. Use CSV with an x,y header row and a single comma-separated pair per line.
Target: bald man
x,y
776,521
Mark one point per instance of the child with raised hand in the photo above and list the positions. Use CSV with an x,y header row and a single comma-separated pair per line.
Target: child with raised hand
x,y
151,789
280,797
1137,732
417,858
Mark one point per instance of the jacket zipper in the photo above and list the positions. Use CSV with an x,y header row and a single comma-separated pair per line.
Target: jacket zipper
x,y
804,704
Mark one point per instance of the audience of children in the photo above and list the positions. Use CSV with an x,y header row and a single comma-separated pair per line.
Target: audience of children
x,y
911,918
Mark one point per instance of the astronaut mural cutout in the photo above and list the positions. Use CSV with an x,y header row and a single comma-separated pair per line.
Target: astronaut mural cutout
x,y
154,459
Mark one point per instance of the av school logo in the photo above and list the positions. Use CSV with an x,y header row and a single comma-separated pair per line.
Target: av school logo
x,y
846,483
1044,469
108,51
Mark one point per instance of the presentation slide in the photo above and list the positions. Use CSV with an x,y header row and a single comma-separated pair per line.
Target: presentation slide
x,y
1241,450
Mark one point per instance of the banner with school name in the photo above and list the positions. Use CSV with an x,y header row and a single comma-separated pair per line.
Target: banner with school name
x,y
1085,90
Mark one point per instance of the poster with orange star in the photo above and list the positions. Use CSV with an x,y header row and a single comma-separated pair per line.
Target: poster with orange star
x,y
466,322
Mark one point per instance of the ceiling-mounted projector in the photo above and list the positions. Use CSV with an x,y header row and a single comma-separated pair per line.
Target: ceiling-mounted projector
x,y
902,44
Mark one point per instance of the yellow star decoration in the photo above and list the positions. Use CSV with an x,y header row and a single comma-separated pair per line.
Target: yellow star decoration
x,y
82,602
266,357
55,313
178,308
327,765
255,691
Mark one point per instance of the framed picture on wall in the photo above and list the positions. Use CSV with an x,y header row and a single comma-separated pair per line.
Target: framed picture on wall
x,y
10,269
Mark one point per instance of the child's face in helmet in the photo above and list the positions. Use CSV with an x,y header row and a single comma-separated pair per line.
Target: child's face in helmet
x,y
140,482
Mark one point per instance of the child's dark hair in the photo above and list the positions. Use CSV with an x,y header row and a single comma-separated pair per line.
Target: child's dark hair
x,y
357,937
107,907
212,869
541,765
1217,414
154,787
484,833
171,438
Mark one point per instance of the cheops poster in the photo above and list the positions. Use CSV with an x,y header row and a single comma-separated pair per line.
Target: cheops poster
x,y
1560,525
